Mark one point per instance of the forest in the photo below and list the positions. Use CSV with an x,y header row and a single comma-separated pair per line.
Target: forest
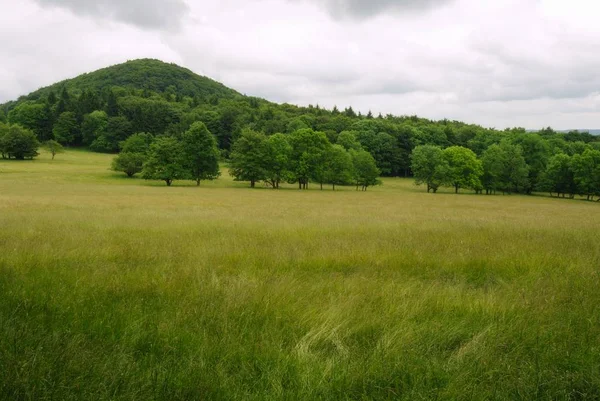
x,y
150,111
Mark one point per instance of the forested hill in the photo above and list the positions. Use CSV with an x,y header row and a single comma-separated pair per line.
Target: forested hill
x,y
145,74
101,109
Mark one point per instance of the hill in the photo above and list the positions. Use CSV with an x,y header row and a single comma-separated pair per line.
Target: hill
x,y
144,74
100,109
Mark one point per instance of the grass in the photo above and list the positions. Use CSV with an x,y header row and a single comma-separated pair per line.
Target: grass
x,y
120,289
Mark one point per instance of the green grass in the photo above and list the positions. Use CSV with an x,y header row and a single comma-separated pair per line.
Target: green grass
x,y
120,289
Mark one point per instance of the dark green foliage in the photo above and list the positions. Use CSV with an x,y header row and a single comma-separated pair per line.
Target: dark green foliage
x,y
152,75
348,140
66,129
200,153
117,130
339,167
53,147
307,157
129,163
137,143
586,173
464,169
149,115
94,126
559,177
248,157
276,162
365,171
504,168
34,116
429,166
17,142
134,151
165,161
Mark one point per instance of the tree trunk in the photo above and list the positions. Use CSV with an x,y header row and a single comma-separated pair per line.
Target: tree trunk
x,y
334,186
197,182
168,182
299,184
53,154
252,183
321,186
456,189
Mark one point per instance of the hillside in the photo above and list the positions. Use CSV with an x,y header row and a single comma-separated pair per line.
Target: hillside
x,y
144,74
101,109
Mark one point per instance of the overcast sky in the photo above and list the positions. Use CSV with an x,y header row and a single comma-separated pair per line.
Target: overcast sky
x,y
500,63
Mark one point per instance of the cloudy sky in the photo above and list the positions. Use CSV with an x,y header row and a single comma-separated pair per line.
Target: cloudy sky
x,y
500,63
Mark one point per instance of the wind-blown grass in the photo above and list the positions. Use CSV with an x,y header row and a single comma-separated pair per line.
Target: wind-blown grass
x,y
121,289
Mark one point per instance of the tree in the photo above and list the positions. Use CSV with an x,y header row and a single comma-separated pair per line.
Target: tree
x,y
137,143
348,140
248,156
339,166
586,173
558,177
201,155
365,171
464,169
94,126
277,153
504,168
306,157
429,166
53,147
134,151
66,128
18,143
33,116
165,161
536,152
130,163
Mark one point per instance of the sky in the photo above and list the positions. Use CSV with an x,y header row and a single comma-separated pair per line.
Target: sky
x,y
497,63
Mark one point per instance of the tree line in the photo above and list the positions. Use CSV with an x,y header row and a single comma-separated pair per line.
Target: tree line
x,y
100,110
506,168
302,157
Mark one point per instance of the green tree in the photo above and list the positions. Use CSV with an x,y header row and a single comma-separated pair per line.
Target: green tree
x,y
248,157
536,152
66,128
165,161
339,166
18,143
130,163
464,169
134,152
94,126
504,168
33,116
277,154
365,171
53,147
348,140
586,173
137,143
429,166
201,155
559,177
308,147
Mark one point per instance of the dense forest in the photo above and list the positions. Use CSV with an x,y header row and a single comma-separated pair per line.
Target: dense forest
x,y
101,110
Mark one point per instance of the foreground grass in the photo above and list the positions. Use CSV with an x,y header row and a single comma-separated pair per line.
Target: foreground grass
x,y
116,289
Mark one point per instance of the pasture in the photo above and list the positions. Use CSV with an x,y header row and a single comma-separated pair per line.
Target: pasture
x,y
122,289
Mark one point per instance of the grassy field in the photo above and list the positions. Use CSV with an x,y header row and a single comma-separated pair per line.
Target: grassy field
x,y
120,289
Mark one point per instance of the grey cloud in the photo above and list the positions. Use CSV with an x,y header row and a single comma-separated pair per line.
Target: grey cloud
x,y
146,14
363,9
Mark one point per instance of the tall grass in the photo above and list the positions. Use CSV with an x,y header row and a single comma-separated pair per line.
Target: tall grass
x,y
119,289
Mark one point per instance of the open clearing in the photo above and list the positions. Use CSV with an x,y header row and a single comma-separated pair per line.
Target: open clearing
x,y
121,289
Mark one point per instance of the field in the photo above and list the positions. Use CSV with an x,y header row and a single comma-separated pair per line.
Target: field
x,y
121,289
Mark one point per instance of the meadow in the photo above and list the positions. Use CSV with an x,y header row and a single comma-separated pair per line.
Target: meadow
x,y
123,289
